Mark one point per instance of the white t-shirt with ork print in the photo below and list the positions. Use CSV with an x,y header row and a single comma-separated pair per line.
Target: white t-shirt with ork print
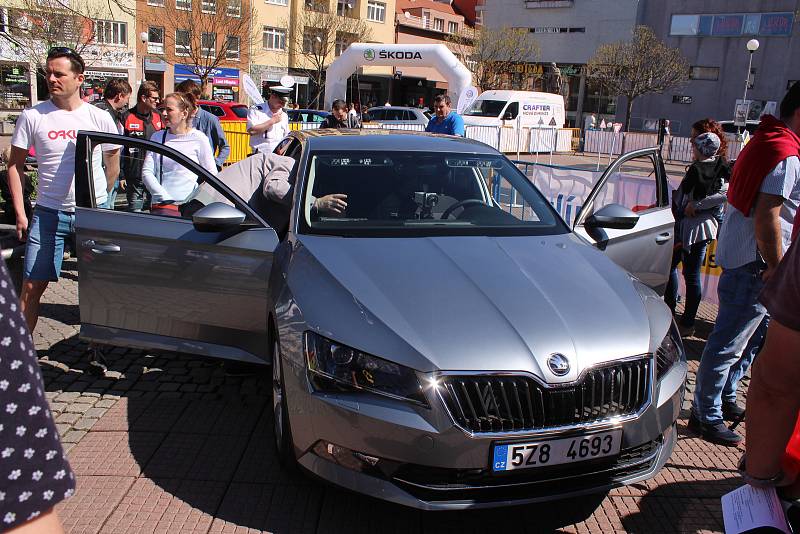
x,y
52,132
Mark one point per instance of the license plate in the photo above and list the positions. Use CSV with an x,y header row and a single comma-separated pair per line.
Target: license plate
x,y
527,455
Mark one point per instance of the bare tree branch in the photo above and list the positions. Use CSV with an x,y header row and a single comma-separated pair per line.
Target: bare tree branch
x,y
317,35
641,66
492,54
205,33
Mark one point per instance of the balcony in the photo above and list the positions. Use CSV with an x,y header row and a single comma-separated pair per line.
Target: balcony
x,y
427,24
536,4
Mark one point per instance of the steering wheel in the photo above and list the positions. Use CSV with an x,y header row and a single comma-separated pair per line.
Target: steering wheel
x,y
460,204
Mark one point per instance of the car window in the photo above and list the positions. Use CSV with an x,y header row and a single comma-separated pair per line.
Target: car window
x,y
634,185
511,111
155,182
217,111
376,114
240,111
316,117
294,116
486,108
399,194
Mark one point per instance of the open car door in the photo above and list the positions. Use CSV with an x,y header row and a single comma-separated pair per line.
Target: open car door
x,y
195,282
640,236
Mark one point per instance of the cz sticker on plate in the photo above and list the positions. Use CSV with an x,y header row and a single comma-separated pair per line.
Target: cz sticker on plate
x,y
542,453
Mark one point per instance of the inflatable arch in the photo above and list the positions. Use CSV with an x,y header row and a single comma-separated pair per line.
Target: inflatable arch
x,y
357,55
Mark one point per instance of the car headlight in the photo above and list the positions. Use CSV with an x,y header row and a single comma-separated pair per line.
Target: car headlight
x,y
337,367
670,352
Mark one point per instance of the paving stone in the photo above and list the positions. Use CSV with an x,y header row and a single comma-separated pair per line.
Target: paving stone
x,y
105,403
58,407
95,413
68,396
266,508
73,436
95,499
114,453
85,423
78,408
169,386
68,418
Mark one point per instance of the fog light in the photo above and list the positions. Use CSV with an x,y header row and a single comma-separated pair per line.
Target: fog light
x,y
354,460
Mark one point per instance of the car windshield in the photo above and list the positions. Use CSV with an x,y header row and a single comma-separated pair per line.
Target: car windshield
x,y
486,108
405,194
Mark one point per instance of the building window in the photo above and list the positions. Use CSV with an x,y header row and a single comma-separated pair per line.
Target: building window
x,y
155,40
320,6
312,41
182,45
278,2
274,38
209,6
208,44
4,21
438,24
376,11
343,40
732,24
156,3
557,29
185,5
234,8
704,73
344,8
110,32
426,20
452,27
232,53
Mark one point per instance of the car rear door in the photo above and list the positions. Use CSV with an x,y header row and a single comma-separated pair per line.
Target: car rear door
x,y
638,181
153,281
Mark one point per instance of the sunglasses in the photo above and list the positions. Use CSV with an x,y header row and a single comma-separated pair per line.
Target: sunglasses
x,y
64,51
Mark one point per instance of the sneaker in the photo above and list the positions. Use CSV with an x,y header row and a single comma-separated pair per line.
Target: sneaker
x,y
732,411
714,433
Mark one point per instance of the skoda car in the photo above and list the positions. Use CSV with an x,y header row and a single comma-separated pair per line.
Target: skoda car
x,y
446,342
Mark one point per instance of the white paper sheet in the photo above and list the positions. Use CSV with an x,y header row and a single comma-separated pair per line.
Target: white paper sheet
x,y
747,508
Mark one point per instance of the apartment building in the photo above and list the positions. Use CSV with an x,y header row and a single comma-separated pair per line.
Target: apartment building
x,y
100,31
284,29
568,33
424,22
713,35
187,37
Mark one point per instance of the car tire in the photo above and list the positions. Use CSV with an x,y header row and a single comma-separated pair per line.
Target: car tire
x,y
282,431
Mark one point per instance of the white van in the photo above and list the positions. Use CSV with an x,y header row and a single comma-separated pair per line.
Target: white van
x,y
517,109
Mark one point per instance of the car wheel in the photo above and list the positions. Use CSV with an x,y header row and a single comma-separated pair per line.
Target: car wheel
x,y
284,444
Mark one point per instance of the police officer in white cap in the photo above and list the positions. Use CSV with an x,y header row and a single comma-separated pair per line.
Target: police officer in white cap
x,y
267,123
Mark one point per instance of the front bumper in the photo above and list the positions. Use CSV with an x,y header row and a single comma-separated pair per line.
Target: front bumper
x,y
426,462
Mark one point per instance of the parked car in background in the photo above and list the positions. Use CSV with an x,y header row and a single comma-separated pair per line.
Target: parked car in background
x,y
731,128
307,115
390,116
225,111
447,342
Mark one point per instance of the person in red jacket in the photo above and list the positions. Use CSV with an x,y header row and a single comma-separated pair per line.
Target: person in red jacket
x,y
140,122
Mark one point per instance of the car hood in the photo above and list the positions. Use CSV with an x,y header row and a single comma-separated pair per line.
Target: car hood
x,y
471,303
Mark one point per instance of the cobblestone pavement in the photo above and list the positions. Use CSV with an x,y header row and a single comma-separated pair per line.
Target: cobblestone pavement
x,y
168,443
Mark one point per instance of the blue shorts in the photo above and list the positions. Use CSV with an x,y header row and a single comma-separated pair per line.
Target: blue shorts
x,y
44,251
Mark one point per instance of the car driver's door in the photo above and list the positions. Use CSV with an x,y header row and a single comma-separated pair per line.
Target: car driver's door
x,y
636,181
192,282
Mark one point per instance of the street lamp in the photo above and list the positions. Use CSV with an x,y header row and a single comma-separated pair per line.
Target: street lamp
x,y
144,38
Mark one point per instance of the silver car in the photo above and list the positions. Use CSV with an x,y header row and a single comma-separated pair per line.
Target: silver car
x,y
396,117
448,342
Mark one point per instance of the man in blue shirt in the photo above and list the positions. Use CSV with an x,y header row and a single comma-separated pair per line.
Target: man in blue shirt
x,y
446,120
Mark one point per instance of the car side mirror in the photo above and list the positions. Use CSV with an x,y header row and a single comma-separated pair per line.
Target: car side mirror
x,y
508,116
612,216
217,216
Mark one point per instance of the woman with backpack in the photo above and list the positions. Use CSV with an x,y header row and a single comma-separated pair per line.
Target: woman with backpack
x,y
170,183
697,205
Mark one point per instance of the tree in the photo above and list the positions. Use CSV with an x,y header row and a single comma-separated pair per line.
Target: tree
x,y
207,32
641,66
35,26
317,35
493,54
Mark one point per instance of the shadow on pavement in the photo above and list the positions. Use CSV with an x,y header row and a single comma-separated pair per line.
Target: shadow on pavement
x,y
184,432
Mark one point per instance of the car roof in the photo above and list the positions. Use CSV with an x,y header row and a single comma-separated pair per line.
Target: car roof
x,y
394,140
394,107
220,103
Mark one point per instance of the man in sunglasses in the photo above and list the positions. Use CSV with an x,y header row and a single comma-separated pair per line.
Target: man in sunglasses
x,y
51,128
141,122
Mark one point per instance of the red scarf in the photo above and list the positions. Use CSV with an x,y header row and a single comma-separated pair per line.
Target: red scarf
x,y
772,143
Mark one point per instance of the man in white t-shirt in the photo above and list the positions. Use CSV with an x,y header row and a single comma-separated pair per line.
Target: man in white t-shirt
x,y
267,123
51,128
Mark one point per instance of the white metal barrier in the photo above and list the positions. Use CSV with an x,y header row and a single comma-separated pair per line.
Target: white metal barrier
x,y
676,148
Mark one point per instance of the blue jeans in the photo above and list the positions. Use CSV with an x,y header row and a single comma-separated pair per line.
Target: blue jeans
x,y
738,369
44,250
692,263
738,319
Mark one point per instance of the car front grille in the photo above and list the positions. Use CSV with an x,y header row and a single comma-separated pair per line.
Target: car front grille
x,y
511,403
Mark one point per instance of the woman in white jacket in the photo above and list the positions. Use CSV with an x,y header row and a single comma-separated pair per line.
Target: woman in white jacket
x,y
169,182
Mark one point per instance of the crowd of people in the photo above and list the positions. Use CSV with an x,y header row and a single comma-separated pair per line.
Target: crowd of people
x,y
750,208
